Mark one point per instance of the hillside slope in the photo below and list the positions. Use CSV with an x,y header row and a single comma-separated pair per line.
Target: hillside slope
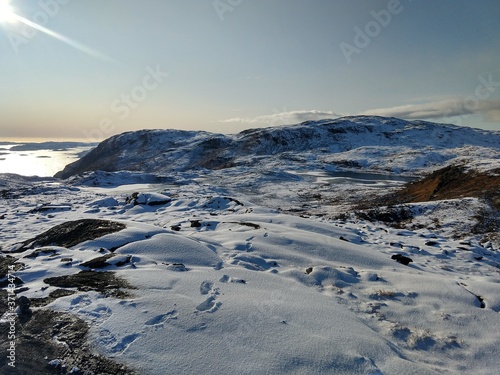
x,y
348,141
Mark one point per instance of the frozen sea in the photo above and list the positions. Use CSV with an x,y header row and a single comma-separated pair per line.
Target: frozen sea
x,y
42,159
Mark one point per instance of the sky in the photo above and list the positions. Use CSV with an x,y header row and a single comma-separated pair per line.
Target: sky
x,y
89,69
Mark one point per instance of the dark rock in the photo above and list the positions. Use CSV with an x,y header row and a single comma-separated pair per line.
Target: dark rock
x,y
177,267
38,252
246,224
309,270
23,304
7,263
13,280
397,244
481,302
36,347
176,228
343,239
72,233
401,259
126,261
50,208
106,283
99,262
58,293
195,223
147,199
432,243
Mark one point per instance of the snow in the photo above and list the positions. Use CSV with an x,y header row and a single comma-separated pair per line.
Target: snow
x,y
227,281
244,302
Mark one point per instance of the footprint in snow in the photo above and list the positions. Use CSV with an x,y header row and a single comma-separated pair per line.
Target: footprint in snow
x,y
160,319
228,279
209,305
111,343
124,343
206,287
80,300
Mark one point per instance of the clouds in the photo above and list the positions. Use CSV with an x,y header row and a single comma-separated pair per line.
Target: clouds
x,y
488,109
285,117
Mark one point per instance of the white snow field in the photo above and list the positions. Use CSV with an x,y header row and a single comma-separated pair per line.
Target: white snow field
x,y
238,288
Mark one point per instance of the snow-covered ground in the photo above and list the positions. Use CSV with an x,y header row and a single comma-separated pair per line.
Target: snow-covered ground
x,y
250,254
224,285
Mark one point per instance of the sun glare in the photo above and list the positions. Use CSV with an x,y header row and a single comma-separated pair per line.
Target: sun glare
x,y
6,11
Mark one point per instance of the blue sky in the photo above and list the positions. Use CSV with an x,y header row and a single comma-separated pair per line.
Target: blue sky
x,y
97,68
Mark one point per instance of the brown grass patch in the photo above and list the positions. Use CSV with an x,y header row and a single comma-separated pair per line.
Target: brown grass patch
x,y
451,182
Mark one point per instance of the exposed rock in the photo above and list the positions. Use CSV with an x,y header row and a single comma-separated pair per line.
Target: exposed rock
x,y
5,262
106,283
59,336
246,224
401,259
43,251
13,280
99,262
58,293
105,261
195,223
432,243
72,233
149,199
177,267
23,305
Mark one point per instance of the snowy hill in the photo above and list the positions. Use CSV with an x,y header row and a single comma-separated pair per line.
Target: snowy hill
x,y
321,144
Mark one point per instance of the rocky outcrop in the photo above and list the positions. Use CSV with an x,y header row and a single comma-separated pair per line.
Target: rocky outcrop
x,y
71,233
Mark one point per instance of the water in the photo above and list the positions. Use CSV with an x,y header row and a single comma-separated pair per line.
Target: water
x,y
42,163
353,178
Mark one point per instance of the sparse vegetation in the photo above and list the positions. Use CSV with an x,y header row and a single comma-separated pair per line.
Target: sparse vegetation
x,y
421,339
383,293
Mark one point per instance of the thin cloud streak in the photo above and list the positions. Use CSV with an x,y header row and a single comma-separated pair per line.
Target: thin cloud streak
x,y
488,109
290,117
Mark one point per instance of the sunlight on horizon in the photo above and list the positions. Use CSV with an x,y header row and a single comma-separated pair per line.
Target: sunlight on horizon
x,y
42,163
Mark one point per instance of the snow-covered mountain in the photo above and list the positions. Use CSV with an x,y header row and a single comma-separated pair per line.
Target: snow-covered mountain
x,y
403,146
